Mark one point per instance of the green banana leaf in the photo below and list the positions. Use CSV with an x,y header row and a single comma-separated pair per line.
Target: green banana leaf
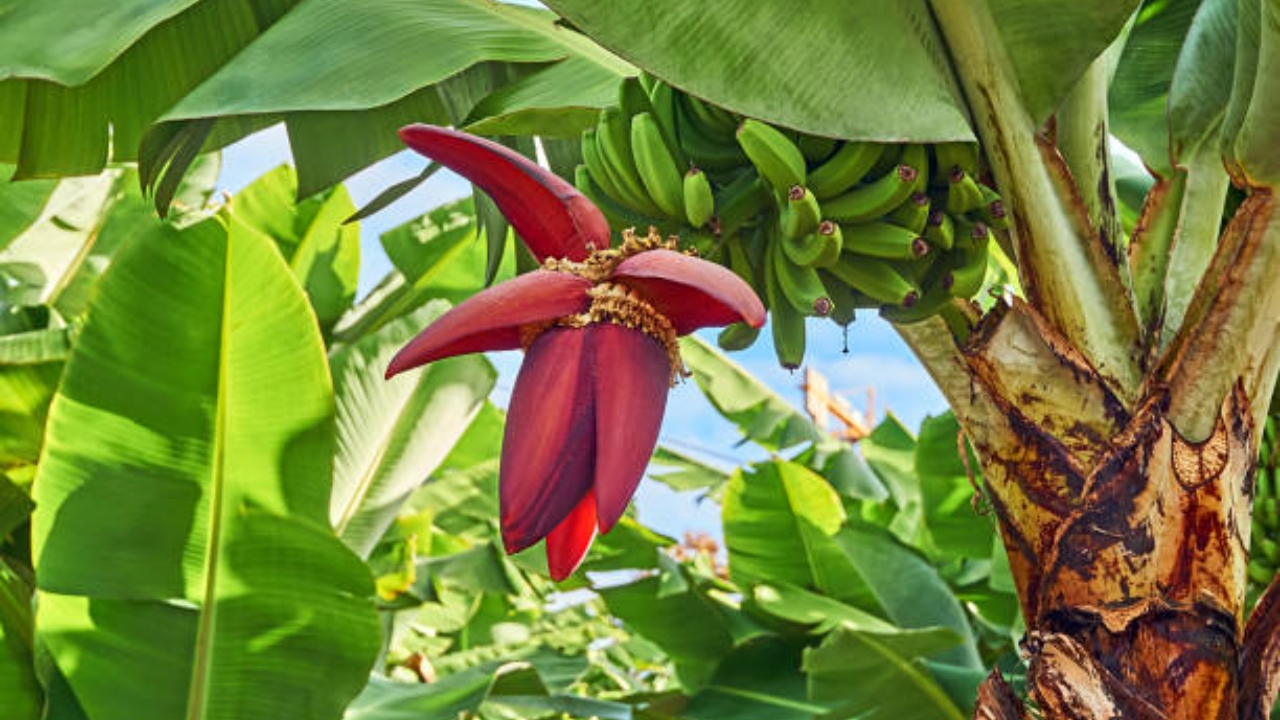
x,y
1250,130
356,70
758,680
392,435
20,204
691,629
21,699
909,589
771,422
875,675
947,492
181,538
30,365
92,102
823,614
859,69
779,523
1174,78
322,251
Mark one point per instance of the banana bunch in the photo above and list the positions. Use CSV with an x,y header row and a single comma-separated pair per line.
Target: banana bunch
x,y
820,227
1264,549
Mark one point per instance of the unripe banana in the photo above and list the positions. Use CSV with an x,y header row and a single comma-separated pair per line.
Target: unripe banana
x,y
929,304
620,217
963,194
968,273
844,169
714,118
774,155
962,155
993,210
633,99
913,214
890,158
832,238
799,283
662,98
740,201
786,323
704,148
878,198
706,245
613,137
970,235
884,240
815,148
843,304
800,215
742,266
738,336
940,231
699,203
876,279
657,169
805,250
596,165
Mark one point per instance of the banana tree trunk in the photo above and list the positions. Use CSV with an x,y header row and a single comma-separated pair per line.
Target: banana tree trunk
x,y
1127,521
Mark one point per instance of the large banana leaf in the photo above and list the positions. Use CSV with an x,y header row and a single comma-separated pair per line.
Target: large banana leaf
x,y
181,541
779,523
322,250
393,434
1251,132
875,675
843,68
344,75
21,697
861,69
1174,78
760,679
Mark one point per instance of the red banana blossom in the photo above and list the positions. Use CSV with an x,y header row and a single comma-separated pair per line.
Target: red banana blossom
x,y
599,328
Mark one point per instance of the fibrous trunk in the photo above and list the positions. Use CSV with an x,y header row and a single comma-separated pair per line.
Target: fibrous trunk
x,y
1126,522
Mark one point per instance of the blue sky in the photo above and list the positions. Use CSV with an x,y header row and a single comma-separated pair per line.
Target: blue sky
x,y
877,358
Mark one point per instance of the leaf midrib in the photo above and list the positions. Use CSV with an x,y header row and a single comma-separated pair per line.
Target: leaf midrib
x,y
197,698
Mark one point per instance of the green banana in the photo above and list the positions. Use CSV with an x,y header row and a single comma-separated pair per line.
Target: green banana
x,y
929,304
699,203
876,279
633,99
913,214
706,150
843,303
993,210
662,98
716,119
890,158
801,213
705,244
786,323
613,137
804,250
657,169
885,240
832,237
741,265
774,155
740,201
595,163
844,169
738,336
968,272
969,234
799,283
619,216
648,81
952,155
940,231
815,148
963,194
881,196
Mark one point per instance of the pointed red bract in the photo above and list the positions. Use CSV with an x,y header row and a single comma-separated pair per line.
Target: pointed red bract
x,y
492,318
690,292
567,545
554,219
548,448
630,400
